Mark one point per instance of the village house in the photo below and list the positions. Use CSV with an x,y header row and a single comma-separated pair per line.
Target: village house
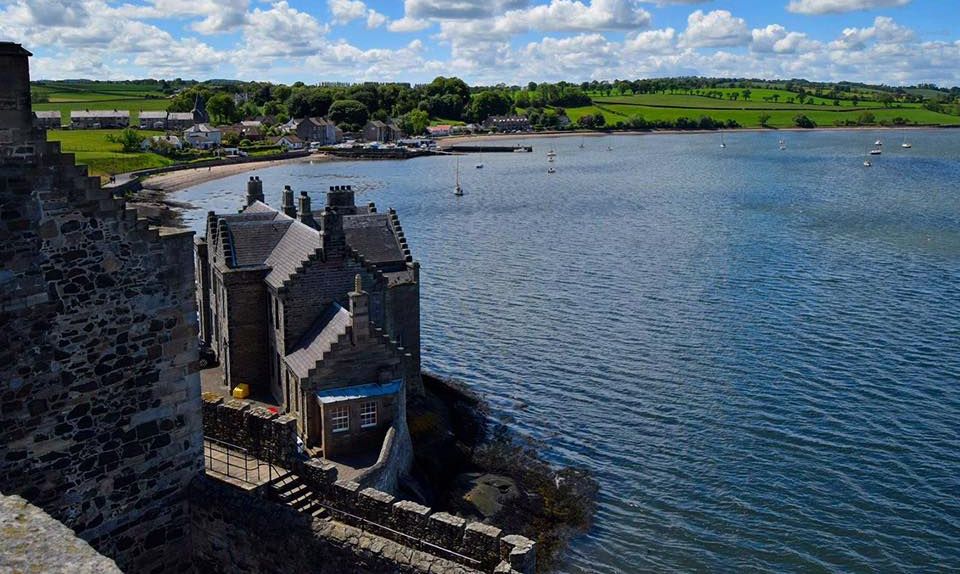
x,y
202,136
242,132
48,120
99,119
179,121
157,142
507,123
439,131
150,120
318,130
317,311
378,131
289,141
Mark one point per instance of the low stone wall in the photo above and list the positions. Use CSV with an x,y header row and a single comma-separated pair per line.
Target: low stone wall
x,y
236,532
32,541
268,436
486,547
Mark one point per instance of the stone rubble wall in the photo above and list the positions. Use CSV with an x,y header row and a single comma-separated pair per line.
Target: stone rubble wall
x,y
266,435
100,422
396,454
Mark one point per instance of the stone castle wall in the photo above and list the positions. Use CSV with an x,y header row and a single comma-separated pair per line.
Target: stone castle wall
x,y
99,399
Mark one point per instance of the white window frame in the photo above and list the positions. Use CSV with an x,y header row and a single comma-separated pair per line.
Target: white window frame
x,y
339,419
365,414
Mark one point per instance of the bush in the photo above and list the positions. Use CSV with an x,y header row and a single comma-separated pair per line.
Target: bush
x,y
802,121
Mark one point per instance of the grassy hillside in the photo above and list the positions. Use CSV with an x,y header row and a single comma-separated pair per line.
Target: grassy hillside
x,y
102,157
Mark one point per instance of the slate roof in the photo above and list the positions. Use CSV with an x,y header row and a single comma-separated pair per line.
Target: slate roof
x,y
99,113
153,115
319,338
180,116
372,236
254,241
50,114
297,245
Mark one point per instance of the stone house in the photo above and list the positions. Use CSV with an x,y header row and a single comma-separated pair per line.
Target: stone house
x,y
48,120
152,120
179,121
507,123
316,311
318,130
99,119
378,131
289,141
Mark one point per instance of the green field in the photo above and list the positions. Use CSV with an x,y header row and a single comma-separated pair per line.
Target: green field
x,y
66,96
756,101
102,157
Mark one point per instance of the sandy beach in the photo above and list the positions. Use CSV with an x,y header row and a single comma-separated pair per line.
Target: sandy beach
x,y
177,180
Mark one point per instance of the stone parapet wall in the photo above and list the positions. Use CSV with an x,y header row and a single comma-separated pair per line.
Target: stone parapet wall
x,y
236,532
396,454
266,435
480,546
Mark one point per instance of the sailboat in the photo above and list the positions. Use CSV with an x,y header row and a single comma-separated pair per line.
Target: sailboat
x,y
866,161
551,170
551,154
480,165
581,143
906,144
723,144
783,145
876,150
878,143
458,191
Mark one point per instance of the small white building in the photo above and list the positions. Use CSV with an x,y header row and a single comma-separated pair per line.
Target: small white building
x,y
151,142
202,136
289,141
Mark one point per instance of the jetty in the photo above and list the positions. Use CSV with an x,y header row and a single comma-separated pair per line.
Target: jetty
x,y
487,148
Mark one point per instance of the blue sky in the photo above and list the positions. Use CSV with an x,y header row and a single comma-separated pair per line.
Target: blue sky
x,y
489,41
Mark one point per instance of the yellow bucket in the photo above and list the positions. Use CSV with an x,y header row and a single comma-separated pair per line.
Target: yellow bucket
x,y
241,391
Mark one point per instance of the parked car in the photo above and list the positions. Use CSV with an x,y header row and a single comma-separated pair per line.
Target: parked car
x,y
208,357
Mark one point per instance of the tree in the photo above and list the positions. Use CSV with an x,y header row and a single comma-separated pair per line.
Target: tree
x,y
746,94
490,103
414,122
866,118
128,139
351,113
802,121
222,107
764,119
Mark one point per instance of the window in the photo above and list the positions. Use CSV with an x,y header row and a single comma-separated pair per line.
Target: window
x,y
368,414
339,419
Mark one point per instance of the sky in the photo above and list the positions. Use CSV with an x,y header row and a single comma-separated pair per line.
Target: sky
x,y
487,42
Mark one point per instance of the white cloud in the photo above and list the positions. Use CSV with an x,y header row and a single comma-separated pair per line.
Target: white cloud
x,y
716,28
652,41
345,11
407,24
840,6
574,15
884,30
776,38
375,19
216,16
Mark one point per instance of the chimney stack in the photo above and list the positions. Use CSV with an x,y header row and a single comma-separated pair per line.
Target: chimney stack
x,y
332,239
287,204
341,197
16,115
306,214
254,191
359,310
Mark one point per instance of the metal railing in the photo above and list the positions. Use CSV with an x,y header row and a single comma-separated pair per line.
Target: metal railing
x,y
236,462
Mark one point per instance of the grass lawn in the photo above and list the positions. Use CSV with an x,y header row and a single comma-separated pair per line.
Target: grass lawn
x,y
102,157
824,116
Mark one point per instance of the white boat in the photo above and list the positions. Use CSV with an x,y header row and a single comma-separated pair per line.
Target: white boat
x,y
878,143
876,151
866,163
479,165
519,149
458,190
609,148
723,144
551,159
783,145
906,144
551,170
581,143
551,153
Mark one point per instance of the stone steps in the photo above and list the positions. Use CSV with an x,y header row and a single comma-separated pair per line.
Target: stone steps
x,y
292,491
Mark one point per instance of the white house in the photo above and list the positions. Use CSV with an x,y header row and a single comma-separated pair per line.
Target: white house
x,y
289,141
173,141
202,136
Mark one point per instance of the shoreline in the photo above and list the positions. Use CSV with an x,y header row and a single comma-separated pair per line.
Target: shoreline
x,y
454,140
182,179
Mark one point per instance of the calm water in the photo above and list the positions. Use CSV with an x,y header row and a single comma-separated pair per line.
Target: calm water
x,y
757,352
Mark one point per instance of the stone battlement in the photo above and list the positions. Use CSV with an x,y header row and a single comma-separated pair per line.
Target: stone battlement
x,y
478,545
269,436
